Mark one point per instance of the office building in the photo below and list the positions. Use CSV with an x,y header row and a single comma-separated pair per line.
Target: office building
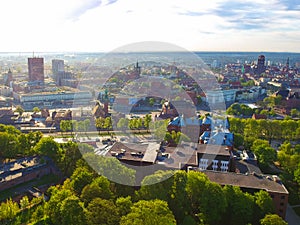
x,y
36,70
261,68
58,70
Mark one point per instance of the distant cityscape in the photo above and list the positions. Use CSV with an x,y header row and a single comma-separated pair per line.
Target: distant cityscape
x,y
52,80
190,103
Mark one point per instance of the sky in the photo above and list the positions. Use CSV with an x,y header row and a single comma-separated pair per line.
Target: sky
x,y
105,25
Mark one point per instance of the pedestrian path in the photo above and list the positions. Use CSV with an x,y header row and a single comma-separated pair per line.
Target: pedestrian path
x,y
291,217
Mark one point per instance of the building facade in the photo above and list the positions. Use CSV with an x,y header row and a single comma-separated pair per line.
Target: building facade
x,y
36,69
58,70
261,68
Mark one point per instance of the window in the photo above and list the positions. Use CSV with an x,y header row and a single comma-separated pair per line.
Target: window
x,y
282,197
203,164
281,204
215,165
224,166
272,196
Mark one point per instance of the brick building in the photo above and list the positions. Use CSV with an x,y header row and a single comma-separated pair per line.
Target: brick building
x,y
36,69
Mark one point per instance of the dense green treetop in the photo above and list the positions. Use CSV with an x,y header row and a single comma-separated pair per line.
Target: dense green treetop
x,y
272,219
152,212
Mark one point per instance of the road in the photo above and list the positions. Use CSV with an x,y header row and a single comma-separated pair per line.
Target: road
x,y
291,217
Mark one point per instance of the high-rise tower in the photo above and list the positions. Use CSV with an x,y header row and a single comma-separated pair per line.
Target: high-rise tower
x,y
261,68
58,65
36,69
58,70
8,78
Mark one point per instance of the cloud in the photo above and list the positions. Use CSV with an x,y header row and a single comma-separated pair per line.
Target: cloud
x,y
291,4
97,25
109,2
80,7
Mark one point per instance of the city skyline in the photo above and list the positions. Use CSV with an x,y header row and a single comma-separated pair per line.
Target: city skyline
x,y
102,26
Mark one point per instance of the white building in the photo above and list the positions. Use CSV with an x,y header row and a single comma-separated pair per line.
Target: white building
x,y
49,98
220,96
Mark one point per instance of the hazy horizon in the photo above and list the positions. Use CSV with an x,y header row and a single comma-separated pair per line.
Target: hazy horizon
x,y
104,25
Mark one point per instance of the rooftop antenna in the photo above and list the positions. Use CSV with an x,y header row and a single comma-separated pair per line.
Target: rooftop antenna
x,y
32,54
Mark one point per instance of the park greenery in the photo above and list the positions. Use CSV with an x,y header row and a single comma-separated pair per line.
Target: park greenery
x,y
185,198
262,137
88,196
243,110
137,125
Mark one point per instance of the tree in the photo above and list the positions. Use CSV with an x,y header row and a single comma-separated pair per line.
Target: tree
x,y
149,212
132,124
264,112
34,138
99,188
265,153
264,204
48,147
294,112
99,122
80,178
122,124
124,205
139,123
151,101
19,110
102,212
147,121
111,168
8,145
24,202
108,124
237,125
89,192
213,203
86,125
240,206
53,206
238,140
179,201
72,211
85,148
289,157
68,157
63,126
38,214
36,109
159,128
156,186
80,126
74,125
272,219
8,211
195,185
297,174
207,199
239,109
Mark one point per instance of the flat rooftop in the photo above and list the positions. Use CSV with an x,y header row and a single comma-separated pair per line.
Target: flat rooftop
x,y
213,149
188,154
251,181
15,169
171,157
140,152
